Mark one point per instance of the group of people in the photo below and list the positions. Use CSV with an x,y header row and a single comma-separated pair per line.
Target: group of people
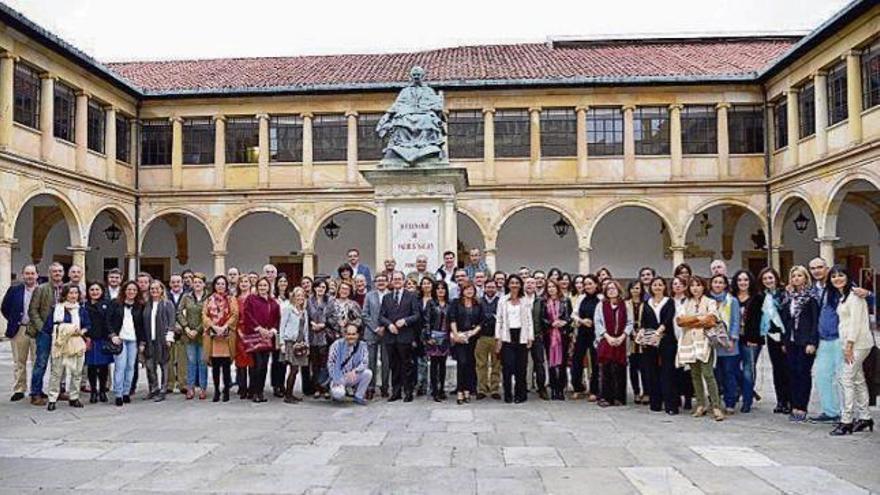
x,y
680,341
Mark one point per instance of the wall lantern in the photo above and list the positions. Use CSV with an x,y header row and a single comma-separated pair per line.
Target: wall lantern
x,y
331,229
113,233
561,227
801,222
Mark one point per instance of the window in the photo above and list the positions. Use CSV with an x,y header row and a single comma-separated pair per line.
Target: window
x,y
745,127
198,141
155,142
369,144
65,112
806,110
123,138
651,126
96,122
242,139
466,129
605,131
699,130
26,89
330,138
558,132
837,94
285,138
871,76
512,138
780,124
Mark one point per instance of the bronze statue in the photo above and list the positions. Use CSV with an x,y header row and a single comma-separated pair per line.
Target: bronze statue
x,y
413,127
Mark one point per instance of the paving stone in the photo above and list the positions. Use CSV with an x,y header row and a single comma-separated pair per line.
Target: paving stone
x,y
20,447
477,457
457,415
450,439
307,455
158,452
726,480
360,455
531,456
597,457
733,456
73,450
808,480
350,438
269,479
660,480
574,481
508,481
425,455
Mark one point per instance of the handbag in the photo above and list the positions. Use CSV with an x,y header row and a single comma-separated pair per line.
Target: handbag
x,y
718,336
439,337
300,349
110,348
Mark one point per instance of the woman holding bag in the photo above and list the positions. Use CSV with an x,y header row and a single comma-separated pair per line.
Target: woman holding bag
x,y
294,330
696,315
220,321
260,326
659,345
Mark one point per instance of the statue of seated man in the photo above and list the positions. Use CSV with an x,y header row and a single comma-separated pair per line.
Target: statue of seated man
x,y
413,126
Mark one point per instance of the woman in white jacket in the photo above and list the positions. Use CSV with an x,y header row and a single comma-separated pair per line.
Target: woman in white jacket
x,y
857,340
514,334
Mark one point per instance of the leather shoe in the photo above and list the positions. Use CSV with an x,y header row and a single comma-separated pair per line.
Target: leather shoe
x,y
38,401
481,396
102,396
17,397
496,396
119,401
394,398
75,403
126,399
51,406
408,398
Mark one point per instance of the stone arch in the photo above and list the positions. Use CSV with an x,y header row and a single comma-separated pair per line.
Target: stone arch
x,y
122,218
780,211
724,202
176,211
836,195
496,227
224,236
5,229
481,227
315,229
670,225
357,230
71,214
520,241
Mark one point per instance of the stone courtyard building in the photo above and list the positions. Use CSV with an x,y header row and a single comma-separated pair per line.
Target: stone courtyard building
x,y
580,153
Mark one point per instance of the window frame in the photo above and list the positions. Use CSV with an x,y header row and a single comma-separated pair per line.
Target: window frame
x,y
466,145
613,116
293,141
96,124
151,130
241,132
369,145
657,141
699,130
331,128
123,138
198,135
28,75
806,98
780,124
746,139
870,67
558,142
511,141
64,124
836,94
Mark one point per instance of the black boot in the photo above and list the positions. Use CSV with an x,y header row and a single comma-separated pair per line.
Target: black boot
x,y
225,394
842,429
102,396
863,424
93,397
216,395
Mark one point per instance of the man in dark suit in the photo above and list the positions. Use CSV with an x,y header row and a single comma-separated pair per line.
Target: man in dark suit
x,y
15,310
400,315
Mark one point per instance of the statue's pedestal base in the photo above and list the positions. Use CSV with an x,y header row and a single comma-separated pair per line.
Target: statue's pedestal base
x,y
415,213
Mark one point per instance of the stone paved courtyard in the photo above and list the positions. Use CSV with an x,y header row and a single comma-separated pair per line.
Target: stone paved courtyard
x,y
423,447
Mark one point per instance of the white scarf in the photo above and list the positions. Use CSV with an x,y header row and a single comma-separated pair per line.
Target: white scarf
x,y
58,315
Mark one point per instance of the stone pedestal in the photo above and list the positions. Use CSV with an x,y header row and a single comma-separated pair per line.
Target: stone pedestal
x,y
415,212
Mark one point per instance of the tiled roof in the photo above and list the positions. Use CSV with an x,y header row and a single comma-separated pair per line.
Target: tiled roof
x,y
598,62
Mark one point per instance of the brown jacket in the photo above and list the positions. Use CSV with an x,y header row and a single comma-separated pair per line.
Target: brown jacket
x,y
232,326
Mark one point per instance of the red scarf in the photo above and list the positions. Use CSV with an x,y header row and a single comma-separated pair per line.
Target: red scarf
x,y
615,324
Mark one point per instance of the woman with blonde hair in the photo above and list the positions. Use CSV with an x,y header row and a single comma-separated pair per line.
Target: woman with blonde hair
x,y
219,338
243,361
294,335
159,325
800,318
698,314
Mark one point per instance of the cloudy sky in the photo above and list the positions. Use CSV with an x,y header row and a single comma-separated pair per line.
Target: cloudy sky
x,y
115,30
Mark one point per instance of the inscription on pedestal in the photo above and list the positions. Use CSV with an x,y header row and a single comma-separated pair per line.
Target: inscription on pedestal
x,y
415,230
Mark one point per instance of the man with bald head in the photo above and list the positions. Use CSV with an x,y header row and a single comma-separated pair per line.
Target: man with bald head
x,y
271,274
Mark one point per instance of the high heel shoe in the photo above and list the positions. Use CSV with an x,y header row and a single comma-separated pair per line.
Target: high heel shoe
x,y
460,399
216,396
842,429
863,424
93,397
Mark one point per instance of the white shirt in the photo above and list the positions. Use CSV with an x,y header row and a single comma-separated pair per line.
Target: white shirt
x,y
153,311
514,315
657,307
113,292
28,294
127,330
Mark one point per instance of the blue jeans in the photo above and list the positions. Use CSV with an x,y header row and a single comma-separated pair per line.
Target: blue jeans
x,y
196,369
749,356
124,364
731,378
41,362
829,359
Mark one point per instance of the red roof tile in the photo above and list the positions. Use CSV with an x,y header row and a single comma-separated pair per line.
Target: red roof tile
x,y
570,62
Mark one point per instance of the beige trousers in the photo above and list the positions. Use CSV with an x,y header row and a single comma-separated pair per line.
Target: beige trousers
x,y
854,387
71,366
23,348
488,366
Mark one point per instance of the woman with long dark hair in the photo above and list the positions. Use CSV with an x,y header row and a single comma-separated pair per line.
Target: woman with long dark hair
x,y
556,320
125,321
220,334
465,317
243,361
259,327
190,320
744,290
319,342
634,299
678,293
436,337
514,333
696,315
97,358
613,327
771,329
659,346
584,340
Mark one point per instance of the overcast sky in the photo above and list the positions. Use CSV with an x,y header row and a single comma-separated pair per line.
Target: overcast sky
x,y
115,30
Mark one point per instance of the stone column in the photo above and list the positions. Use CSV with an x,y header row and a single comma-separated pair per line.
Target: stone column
x,y
489,144
307,164
774,258
81,132
134,141
263,156
826,248
675,140
131,260
723,140
535,171
7,96
351,162
78,254
219,151
791,97
582,151
854,95
219,262
381,232
629,143
309,262
677,255
490,255
769,113
584,259
47,116
5,269
820,91
176,152
450,236
110,142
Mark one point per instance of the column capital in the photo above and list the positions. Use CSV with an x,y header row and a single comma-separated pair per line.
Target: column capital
x,y
827,238
676,106
534,109
308,252
791,90
262,116
9,241
351,113
9,56
490,251
581,108
219,253
722,104
48,75
681,247
855,52
820,73
628,107
82,92
78,249
307,115
490,110
218,118
176,119
110,108
585,249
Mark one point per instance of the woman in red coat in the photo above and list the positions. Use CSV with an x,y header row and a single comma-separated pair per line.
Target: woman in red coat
x,y
257,332
243,360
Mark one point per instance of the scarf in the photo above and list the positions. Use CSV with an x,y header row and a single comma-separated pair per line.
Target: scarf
x,y
799,300
724,306
58,315
770,313
615,324
217,309
555,353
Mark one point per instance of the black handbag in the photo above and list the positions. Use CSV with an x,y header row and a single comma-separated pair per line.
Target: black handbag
x,y
110,348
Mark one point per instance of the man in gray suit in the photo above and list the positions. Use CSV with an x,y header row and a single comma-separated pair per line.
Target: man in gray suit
x,y
374,333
